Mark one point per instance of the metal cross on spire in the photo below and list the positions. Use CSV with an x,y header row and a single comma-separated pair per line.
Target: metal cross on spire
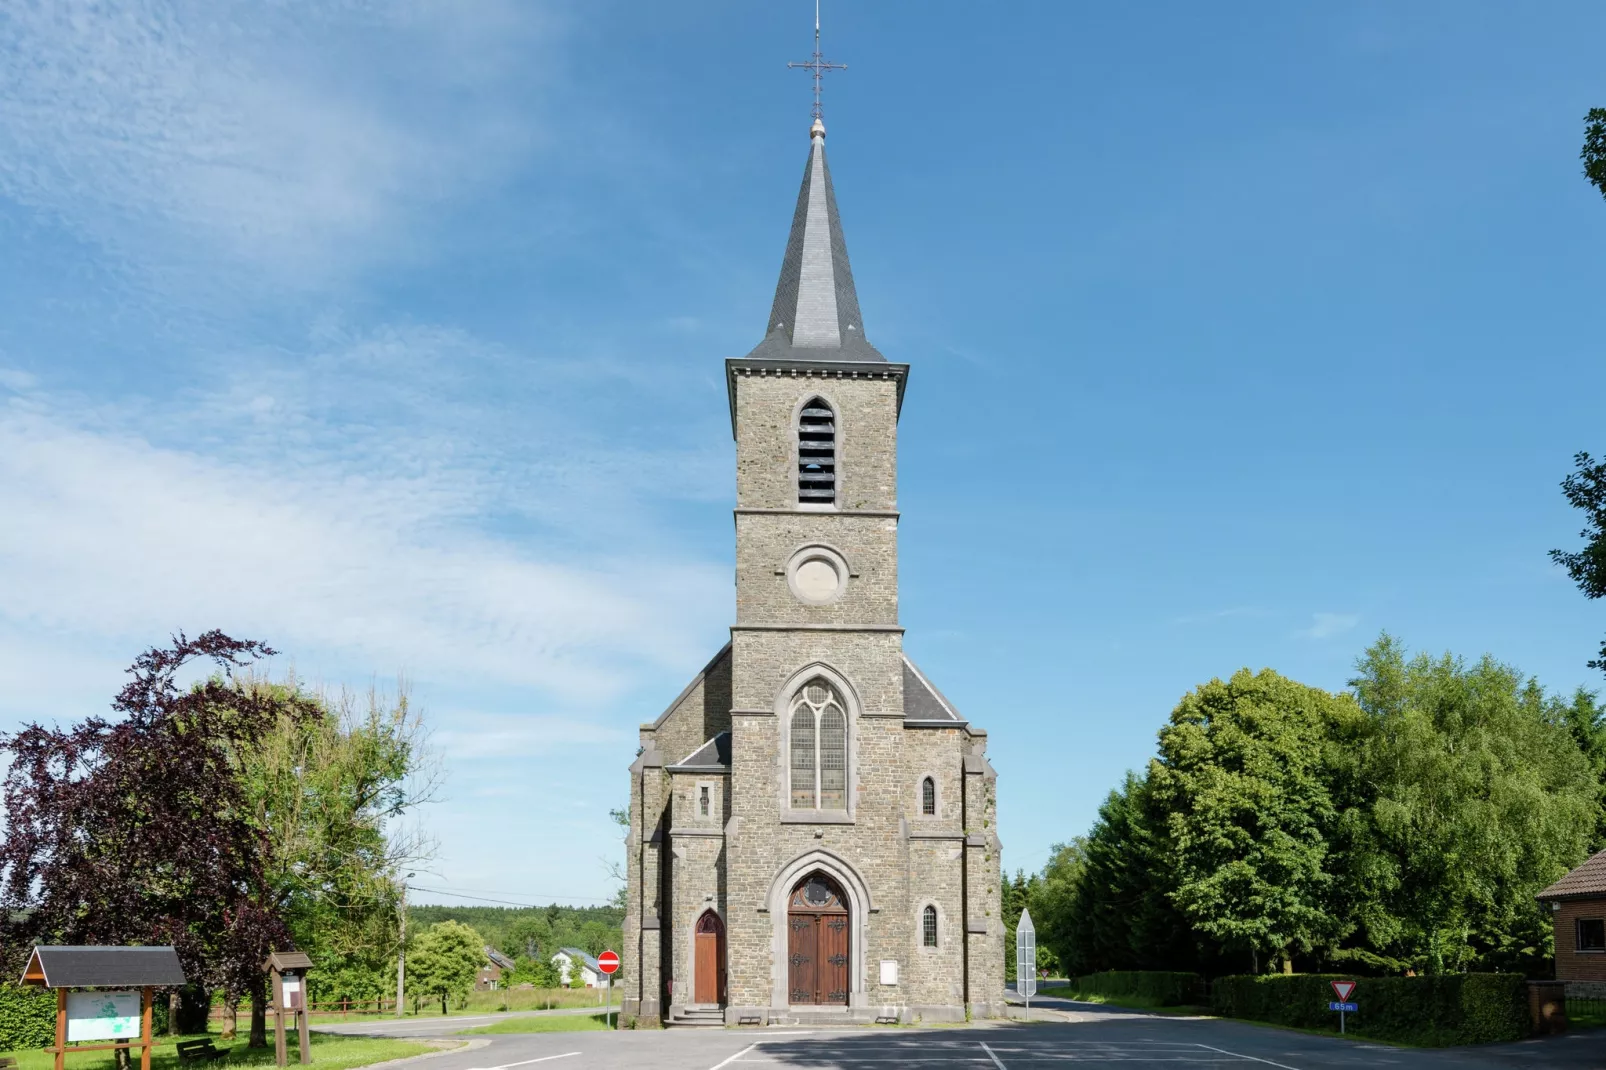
x,y
818,66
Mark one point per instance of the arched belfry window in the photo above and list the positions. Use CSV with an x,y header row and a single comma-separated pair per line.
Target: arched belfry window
x,y
818,738
816,454
928,797
928,926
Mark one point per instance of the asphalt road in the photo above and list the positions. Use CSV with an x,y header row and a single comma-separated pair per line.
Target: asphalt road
x,y
1085,1036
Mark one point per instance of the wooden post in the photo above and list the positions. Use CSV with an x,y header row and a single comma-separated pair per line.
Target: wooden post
x,y
146,1033
279,1055
301,1016
61,1029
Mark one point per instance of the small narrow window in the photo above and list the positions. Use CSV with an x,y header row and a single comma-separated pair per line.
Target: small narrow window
x,y
1592,934
928,797
928,926
702,800
816,454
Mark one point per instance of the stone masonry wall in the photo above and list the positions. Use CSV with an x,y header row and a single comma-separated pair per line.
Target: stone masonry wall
x,y
761,846
982,880
765,542
936,864
697,849
866,413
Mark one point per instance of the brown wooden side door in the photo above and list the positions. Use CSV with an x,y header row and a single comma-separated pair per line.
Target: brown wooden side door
x,y
706,989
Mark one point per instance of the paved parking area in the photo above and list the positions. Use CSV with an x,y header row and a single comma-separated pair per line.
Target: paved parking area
x,y
1094,1037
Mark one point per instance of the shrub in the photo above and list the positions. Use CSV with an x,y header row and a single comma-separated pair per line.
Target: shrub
x,y
27,1017
1474,1008
1163,988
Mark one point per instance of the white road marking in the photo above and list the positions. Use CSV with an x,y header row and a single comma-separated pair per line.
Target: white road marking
x,y
733,1058
993,1057
1251,1058
527,1062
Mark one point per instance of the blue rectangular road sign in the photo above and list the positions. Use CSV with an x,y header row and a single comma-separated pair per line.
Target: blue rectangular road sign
x,y
1351,1007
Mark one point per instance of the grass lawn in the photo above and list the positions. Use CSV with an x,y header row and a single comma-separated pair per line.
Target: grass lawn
x,y
515,999
556,1023
329,1052
1138,1003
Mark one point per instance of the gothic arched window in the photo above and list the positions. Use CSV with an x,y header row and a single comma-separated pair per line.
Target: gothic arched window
x,y
816,454
819,741
928,926
928,797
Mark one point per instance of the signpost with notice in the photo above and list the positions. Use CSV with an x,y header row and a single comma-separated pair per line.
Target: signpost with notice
x,y
1342,1005
608,963
1026,960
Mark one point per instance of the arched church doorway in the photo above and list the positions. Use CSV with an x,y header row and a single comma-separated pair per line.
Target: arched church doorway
x,y
708,981
817,942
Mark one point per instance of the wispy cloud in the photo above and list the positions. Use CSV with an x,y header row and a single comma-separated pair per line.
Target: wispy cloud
x,y
286,513
1328,625
290,138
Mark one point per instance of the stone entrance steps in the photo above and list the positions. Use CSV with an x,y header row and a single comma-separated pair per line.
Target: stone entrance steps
x,y
697,1017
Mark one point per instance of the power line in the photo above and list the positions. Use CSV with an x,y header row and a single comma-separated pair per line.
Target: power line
x,y
504,902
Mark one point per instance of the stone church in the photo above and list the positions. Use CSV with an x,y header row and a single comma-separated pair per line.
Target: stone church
x,y
813,832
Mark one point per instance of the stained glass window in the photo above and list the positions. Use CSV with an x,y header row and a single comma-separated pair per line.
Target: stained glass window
x,y
928,797
819,744
928,926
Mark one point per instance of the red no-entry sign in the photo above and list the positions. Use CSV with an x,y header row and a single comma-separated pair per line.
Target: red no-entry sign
x,y
608,962
1343,989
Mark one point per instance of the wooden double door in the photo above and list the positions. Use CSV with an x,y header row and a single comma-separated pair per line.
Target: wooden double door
x,y
817,942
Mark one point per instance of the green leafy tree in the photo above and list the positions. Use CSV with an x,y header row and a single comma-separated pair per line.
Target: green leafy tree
x,y
1244,777
1052,898
1120,915
1585,489
329,792
1481,797
444,961
1594,152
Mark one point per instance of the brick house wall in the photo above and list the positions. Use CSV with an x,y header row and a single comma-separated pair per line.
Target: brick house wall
x,y
1572,964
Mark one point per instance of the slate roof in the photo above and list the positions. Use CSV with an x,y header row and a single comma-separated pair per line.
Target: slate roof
x,y
576,953
922,702
1585,882
713,756
815,316
94,967
499,959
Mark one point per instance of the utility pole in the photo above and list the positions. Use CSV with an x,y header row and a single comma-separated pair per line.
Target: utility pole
x,y
401,949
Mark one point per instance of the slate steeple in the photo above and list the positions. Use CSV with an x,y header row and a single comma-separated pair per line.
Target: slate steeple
x,y
815,316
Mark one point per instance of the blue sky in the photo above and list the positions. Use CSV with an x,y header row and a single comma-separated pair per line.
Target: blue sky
x,y
392,334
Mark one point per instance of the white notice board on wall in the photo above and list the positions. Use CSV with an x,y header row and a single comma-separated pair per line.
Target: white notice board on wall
x,y
102,1016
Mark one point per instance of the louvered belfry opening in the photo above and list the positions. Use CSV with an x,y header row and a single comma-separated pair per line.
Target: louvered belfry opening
x,y
816,454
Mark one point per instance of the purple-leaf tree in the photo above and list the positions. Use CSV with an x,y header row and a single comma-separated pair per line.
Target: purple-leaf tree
x,y
136,830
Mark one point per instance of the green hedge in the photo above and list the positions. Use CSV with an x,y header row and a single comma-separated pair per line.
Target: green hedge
x,y
27,1017
1473,1008
1164,989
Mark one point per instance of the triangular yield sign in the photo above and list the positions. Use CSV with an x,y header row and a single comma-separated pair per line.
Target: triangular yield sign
x,y
1343,988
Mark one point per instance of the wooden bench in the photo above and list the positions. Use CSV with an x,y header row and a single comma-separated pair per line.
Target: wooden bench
x,y
7,1063
195,1051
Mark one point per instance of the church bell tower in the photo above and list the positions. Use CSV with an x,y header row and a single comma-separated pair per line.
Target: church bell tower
x,y
813,829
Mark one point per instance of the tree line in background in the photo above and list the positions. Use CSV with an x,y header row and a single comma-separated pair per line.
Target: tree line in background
x,y
532,932
229,817
1403,825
